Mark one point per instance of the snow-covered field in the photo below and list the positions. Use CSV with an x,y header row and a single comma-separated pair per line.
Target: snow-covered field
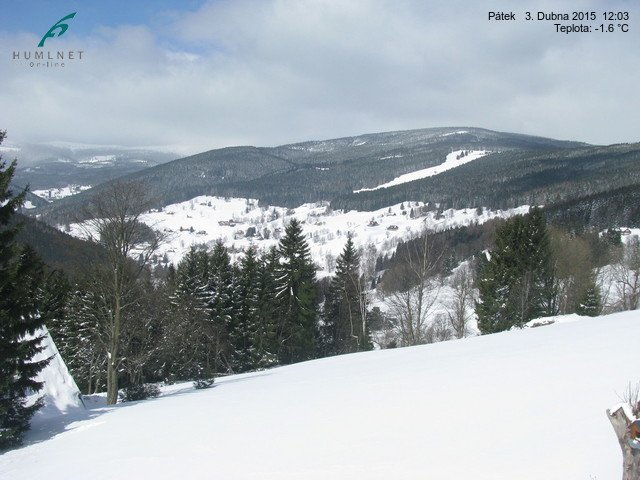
x,y
526,404
453,160
204,220
51,194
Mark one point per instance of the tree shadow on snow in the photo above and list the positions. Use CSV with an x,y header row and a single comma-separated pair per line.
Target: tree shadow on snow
x,y
47,424
46,427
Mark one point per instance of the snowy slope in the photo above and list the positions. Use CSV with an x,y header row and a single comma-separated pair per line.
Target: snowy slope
x,y
204,220
453,160
51,194
61,394
527,404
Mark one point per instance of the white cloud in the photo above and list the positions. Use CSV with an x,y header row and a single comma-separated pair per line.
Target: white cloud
x,y
270,72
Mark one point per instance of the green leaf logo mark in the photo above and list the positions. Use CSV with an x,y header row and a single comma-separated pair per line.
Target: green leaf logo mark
x,y
59,25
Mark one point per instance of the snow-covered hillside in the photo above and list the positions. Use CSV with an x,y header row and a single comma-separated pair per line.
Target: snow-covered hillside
x,y
453,160
527,404
240,223
51,194
60,392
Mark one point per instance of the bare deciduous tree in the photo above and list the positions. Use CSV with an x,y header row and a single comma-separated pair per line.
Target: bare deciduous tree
x,y
113,221
460,306
439,329
626,276
573,266
412,289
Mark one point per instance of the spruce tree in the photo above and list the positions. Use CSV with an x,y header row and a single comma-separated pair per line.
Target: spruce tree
x,y
517,283
345,328
247,321
190,337
75,331
295,294
590,303
263,336
21,274
221,287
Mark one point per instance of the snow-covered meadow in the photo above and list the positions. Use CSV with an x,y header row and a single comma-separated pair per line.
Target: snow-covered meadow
x,y
524,404
52,194
241,223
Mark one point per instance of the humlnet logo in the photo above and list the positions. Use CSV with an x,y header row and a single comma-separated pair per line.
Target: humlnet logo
x,y
59,25
50,58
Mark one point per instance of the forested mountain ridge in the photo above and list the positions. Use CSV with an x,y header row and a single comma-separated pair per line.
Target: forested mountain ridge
x,y
615,208
511,178
290,175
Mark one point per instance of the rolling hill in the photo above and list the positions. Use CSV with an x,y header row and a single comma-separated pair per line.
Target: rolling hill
x,y
331,170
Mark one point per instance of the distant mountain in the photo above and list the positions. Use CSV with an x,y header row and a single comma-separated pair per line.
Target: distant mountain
x,y
290,175
510,178
43,166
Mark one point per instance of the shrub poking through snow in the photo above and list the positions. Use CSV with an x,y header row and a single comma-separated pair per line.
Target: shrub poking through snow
x,y
203,383
133,393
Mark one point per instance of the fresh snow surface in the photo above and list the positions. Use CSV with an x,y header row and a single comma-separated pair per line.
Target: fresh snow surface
x,y
204,220
525,404
453,160
51,194
543,321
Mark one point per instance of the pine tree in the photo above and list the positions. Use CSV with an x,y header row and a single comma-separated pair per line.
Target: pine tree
x,y
221,287
517,283
263,337
246,306
493,294
295,294
21,274
247,332
75,331
345,328
590,303
71,328
189,335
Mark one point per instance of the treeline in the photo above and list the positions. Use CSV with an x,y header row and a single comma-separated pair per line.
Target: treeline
x,y
619,207
536,271
209,316
505,273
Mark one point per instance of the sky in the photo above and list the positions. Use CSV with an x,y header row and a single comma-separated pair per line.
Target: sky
x,y
194,75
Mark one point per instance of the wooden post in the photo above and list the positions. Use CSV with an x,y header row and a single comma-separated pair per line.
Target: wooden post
x,y
621,418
